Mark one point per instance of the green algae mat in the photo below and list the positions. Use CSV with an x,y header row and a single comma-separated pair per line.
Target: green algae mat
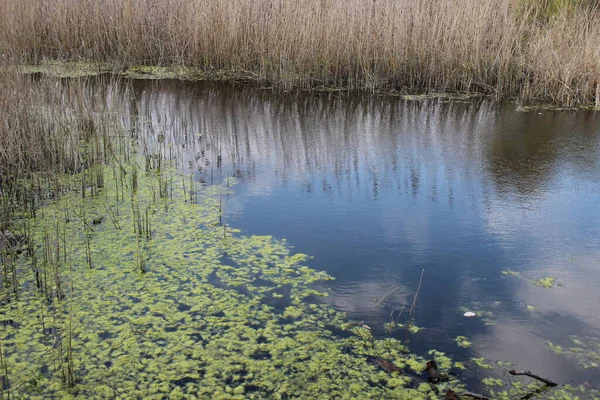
x,y
134,287
135,291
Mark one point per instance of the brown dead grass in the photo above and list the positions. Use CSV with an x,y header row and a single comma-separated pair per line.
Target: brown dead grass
x,y
50,126
499,47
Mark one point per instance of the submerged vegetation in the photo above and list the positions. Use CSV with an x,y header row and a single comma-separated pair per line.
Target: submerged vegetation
x,y
534,49
584,350
121,278
547,282
189,309
124,281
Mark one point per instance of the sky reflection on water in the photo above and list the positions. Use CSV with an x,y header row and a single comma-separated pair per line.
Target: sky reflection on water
x,y
378,189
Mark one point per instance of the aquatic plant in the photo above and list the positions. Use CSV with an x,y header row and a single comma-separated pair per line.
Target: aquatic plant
x,y
482,311
462,341
226,313
584,350
482,363
546,282
127,281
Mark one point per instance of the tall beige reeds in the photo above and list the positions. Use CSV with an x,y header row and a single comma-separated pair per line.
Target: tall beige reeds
x,y
538,49
49,126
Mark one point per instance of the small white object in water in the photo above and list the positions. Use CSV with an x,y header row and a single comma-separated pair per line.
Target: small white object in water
x,y
469,314
366,327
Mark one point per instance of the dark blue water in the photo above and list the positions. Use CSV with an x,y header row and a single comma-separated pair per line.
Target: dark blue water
x,y
380,190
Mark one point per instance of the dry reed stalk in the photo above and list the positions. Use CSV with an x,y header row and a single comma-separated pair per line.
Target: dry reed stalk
x,y
43,123
532,48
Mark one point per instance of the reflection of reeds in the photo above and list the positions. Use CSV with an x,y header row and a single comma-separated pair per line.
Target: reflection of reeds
x,y
535,48
43,125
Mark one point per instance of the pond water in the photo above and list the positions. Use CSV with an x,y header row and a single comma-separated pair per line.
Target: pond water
x,y
479,198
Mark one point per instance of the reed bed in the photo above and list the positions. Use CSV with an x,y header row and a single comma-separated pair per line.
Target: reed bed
x,y
47,125
50,129
535,49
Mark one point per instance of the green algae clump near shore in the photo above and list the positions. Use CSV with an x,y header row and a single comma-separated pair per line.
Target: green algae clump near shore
x,y
135,286
131,293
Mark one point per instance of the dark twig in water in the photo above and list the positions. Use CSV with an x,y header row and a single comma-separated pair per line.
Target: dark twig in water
x,y
534,376
451,395
435,376
388,366
385,296
412,308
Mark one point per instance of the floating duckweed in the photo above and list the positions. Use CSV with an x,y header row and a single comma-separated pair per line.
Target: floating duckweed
x,y
196,321
462,341
586,351
504,364
443,361
555,348
415,365
292,312
492,382
424,387
546,282
482,311
481,362
149,297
